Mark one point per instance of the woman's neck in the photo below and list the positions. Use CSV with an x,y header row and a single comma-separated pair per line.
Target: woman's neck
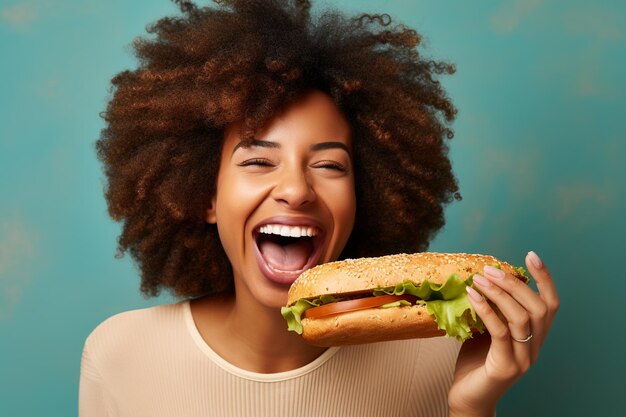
x,y
249,335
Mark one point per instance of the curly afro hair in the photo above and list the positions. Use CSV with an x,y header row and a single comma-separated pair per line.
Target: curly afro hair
x,y
242,61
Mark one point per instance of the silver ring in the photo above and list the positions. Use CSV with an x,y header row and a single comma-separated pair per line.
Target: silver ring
x,y
530,336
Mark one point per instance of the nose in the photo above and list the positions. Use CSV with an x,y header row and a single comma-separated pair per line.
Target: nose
x,y
294,189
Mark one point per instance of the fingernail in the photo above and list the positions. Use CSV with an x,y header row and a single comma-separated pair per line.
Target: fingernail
x,y
494,272
534,259
473,293
482,281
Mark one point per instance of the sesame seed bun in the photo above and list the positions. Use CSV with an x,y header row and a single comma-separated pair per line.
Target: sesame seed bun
x,y
353,276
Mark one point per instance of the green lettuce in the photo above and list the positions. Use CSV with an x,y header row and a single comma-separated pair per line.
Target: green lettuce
x,y
519,269
293,314
448,303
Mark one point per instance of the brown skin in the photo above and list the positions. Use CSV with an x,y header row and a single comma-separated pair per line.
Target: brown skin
x,y
288,179
228,330
291,180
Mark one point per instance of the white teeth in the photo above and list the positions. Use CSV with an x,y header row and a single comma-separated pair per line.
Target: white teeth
x,y
288,231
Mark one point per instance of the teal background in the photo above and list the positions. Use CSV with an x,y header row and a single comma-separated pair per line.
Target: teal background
x,y
539,152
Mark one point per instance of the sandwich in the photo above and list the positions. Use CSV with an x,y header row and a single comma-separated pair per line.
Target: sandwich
x,y
391,297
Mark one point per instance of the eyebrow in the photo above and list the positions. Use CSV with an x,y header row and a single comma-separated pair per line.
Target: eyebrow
x,y
257,143
268,144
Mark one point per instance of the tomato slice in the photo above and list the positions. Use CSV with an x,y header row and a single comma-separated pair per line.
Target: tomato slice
x,y
356,304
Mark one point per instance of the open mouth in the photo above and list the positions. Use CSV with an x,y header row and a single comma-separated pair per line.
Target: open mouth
x,y
285,251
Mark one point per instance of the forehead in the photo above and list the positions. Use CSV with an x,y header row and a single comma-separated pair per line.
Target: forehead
x,y
313,117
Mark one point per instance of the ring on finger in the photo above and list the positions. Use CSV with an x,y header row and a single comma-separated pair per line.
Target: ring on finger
x,y
530,336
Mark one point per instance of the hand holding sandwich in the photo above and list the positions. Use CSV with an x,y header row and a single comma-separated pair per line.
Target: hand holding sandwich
x,y
489,364
431,294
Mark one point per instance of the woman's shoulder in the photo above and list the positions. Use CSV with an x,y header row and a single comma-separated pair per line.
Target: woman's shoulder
x,y
139,325
130,342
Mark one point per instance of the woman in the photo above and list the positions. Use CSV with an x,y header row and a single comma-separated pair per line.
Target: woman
x,y
254,142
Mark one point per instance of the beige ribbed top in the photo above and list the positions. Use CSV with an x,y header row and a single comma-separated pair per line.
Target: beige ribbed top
x,y
153,362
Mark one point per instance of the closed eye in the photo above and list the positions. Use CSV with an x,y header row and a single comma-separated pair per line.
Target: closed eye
x,y
332,165
256,162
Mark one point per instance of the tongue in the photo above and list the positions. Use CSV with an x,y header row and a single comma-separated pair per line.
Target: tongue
x,y
290,257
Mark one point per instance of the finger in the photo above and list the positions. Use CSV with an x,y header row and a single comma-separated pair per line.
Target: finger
x,y
516,316
528,299
500,356
547,292
545,285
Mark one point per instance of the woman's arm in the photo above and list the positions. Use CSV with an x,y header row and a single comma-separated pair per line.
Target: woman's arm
x,y
93,397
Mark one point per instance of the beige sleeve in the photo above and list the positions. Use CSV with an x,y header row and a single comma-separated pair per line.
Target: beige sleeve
x,y
93,397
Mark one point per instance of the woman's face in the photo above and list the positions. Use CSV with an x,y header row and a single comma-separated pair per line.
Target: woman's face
x,y
285,202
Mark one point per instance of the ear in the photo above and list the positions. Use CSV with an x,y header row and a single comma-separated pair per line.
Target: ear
x,y
211,216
